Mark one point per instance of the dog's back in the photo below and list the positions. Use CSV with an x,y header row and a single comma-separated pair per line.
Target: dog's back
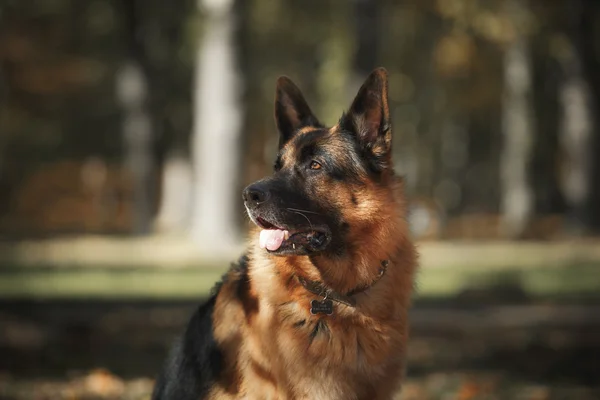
x,y
194,362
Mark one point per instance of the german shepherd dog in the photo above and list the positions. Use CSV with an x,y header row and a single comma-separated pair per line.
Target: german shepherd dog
x,y
317,308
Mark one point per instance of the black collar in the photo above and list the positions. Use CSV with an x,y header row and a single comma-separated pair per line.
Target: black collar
x,y
321,290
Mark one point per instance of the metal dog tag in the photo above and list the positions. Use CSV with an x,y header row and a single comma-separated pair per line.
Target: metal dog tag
x,y
321,307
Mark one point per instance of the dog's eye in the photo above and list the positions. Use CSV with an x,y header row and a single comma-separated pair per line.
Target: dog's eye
x,y
315,165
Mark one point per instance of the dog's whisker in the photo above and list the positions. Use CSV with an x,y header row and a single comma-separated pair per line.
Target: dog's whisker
x,y
306,211
308,220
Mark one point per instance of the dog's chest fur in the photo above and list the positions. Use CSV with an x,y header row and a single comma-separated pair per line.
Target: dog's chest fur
x,y
287,353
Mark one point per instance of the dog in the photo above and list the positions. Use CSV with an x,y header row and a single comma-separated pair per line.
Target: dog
x,y
318,306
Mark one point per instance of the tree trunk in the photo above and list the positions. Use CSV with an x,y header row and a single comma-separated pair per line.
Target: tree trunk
x,y
215,136
3,100
517,199
576,129
176,195
137,132
366,57
334,73
590,56
133,94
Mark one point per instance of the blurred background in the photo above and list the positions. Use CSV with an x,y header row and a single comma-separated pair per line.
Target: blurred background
x,y
129,127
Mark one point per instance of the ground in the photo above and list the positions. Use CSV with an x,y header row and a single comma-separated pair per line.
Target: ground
x,y
112,349
523,327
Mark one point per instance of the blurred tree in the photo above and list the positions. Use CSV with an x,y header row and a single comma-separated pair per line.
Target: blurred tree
x,y
176,194
547,80
217,124
367,23
589,24
3,97
133,91
60,60
335,63
159,44
577,123
175,62
517,125
3,100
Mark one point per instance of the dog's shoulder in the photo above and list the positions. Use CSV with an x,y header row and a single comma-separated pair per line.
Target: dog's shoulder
x,y
237,272
195,361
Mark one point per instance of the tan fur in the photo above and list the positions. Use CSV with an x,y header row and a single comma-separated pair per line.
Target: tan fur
x,y
289,152
275,348
361,350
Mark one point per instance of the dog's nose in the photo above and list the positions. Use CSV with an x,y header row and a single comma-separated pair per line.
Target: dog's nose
x,y
255,194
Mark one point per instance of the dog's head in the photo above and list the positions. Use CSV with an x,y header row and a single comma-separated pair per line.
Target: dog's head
x,y
327,183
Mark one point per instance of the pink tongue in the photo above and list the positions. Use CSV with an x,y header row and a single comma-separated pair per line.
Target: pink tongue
x,y
271,239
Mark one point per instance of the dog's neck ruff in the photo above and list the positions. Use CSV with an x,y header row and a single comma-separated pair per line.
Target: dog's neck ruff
x,y
320,289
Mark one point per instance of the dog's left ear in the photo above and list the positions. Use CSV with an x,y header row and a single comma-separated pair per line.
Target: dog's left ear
x,y
369,117
291,110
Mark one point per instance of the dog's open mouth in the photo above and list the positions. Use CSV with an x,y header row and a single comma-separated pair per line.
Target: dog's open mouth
x,y
284,240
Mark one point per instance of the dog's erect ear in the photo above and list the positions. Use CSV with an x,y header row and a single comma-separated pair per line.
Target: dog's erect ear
x,y
369,116
291,110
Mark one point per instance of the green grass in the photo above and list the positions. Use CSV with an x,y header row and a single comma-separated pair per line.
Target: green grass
x,y
580,281
108,283
537,282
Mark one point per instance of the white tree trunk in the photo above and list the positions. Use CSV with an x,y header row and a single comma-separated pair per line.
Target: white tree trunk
x,y
215,136
176,196
575,138
518,132
132,91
